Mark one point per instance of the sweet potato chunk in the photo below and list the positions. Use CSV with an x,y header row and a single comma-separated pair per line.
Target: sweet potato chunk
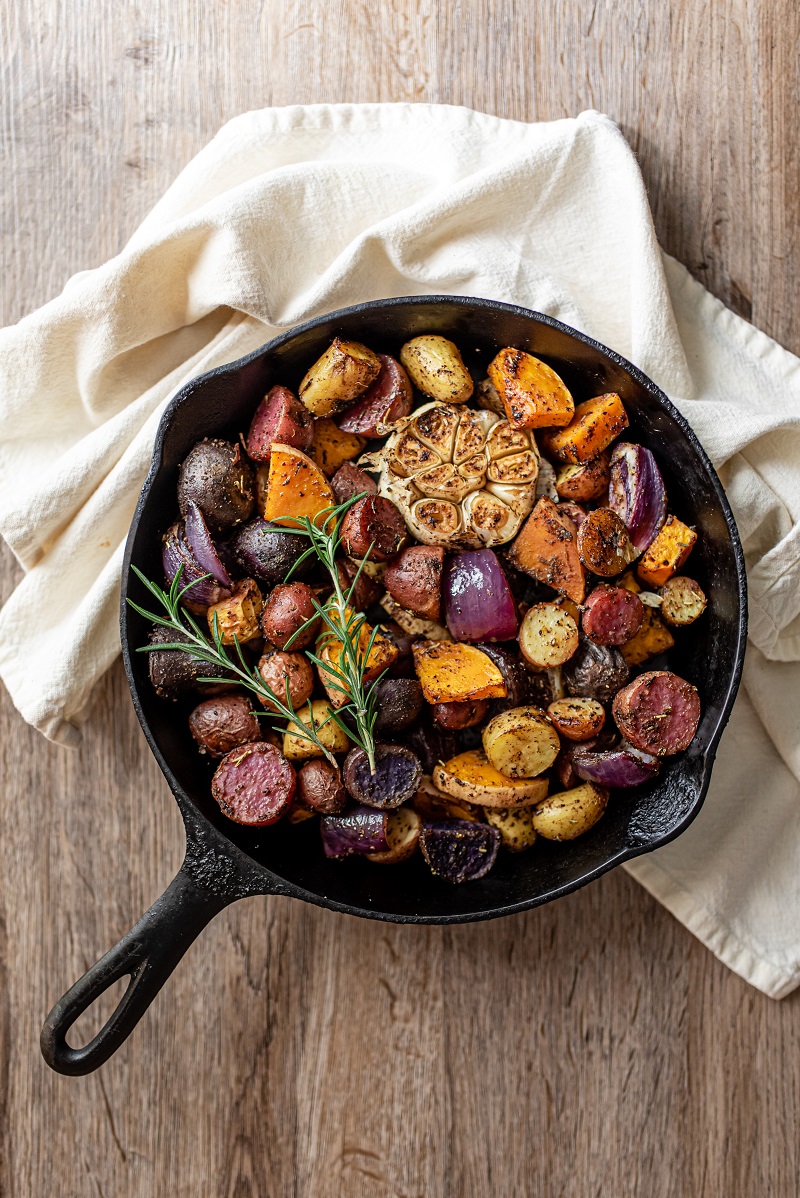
x,y
454,673
546,548
329,649
667,553
296,487
470,777
593,427
653,637
532,394
332,448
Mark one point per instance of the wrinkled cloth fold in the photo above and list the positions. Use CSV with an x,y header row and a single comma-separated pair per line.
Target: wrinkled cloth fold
x,y
290,213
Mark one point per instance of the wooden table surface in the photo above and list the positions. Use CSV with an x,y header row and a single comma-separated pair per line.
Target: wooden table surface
x,y
592,1047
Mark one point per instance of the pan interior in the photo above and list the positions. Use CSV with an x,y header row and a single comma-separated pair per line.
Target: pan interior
x,y
708,654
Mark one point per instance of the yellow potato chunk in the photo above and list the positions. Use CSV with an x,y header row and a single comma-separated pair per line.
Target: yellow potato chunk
x,y
343,372
570,813
237,617
521,743
436,368
548,636
334,738
515,825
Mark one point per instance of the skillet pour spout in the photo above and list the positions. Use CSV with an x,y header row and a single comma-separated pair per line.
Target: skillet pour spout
x,y
225,861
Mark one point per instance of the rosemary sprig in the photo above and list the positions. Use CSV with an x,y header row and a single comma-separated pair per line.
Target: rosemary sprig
x,y
342,625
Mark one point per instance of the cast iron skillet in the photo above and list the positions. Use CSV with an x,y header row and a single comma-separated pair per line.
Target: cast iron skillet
x,y
224,861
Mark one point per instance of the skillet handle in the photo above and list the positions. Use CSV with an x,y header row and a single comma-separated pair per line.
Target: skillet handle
x,y
148,953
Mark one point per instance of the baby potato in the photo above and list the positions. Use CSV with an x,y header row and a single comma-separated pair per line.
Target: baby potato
x,y
436,368
570,813
682,601
237,617
515,825
521,742
548,635
297,748
337,378
577,719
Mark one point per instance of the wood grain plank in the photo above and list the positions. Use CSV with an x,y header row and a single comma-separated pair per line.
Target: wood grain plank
x,y
589,1047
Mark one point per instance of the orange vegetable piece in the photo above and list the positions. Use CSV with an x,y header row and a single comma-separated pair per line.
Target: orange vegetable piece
x,y
546,548
329,649
295,487
667,553
452,672
653,637
532,393
332,448
593,427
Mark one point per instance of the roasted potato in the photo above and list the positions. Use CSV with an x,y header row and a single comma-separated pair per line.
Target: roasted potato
x,y
287,609
470,777
548,636
570,813
532,394
595,672
580,482
604,546
402,836
515,825
278,669
682,601
577,719
436,368
237,618
414,580
219,725
343,372
330,734
521,742
217,477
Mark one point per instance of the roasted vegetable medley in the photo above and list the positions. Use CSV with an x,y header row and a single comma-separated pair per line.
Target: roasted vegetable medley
x,y
415,608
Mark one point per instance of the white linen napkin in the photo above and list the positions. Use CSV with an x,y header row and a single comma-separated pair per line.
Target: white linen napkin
x,y
289,213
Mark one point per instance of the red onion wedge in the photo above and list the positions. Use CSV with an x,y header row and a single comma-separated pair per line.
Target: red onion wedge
x,y
202,546
617,768
478,602
637,493
176,552
362,830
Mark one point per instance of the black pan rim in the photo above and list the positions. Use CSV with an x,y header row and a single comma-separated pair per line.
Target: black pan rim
x,y
257,878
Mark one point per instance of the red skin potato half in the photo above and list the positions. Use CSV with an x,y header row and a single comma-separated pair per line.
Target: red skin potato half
x,y
658,713
254,784
388,399
611,615
287,609
375,526
350,480
279,417
414,580
219,725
